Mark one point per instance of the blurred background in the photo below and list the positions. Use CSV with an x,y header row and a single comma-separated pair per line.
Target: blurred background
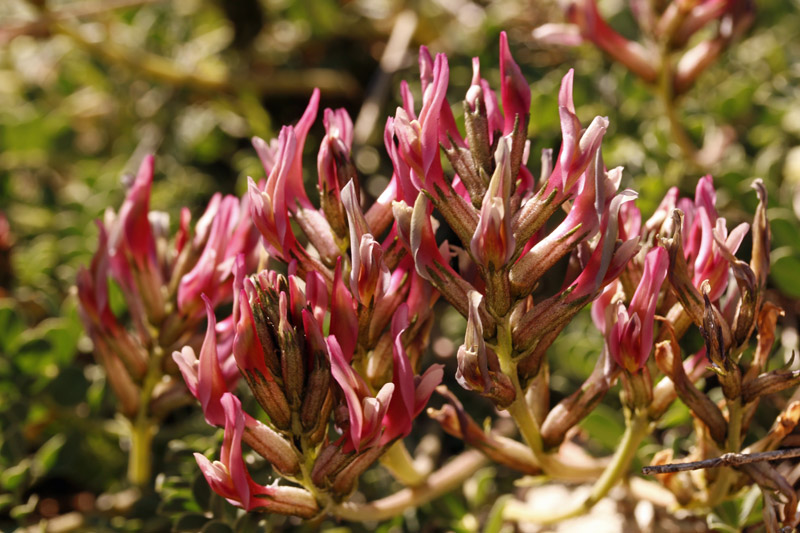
x,y
88,87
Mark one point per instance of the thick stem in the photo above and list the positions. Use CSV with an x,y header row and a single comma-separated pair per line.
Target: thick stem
x,y
521,412
140,456
399,462
637,429
440,482
143,427
721,487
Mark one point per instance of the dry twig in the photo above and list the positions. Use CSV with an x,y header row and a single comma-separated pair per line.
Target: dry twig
x,y
728,459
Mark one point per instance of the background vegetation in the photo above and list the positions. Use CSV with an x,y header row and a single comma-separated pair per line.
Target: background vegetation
x,y
88,87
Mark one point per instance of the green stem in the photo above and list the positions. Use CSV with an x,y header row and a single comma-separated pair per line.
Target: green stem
x,y
721,487
523,416
637,428
143,427
440,482
140,458
399,462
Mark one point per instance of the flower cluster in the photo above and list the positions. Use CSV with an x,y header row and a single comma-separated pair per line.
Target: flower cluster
x,y
330,337
161,279
335,341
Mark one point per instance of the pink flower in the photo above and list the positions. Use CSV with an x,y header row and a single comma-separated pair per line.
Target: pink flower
x,y
411,393
579,146
369,276
334,167
418,138
203,376
702,252
230,478
630,339
493,243
268,207
514,90
132,248
587,24
365,411
231,233
344,321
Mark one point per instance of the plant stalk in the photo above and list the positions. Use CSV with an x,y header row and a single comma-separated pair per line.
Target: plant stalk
x,y
140,456
637,428
401,465
440,482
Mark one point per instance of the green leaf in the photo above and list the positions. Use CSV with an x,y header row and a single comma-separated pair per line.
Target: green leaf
x,y
11,477
216,527
190,522
10,326
249,523
21,511
715,523
47,455
784,271
6,501
201,491
495,521
605,425
748,513
677,415
69,388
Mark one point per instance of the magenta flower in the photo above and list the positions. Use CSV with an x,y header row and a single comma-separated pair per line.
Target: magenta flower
x,y
268,205
702,252
369,276
203,375
418,138
366,412
514,90
630,338
132,249
411,393
230,478
493,243
230,234
344,320
586,23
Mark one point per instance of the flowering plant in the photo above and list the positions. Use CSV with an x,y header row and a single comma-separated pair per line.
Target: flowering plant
x,y
332,309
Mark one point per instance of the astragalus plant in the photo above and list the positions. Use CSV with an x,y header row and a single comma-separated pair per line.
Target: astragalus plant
x,y
333,306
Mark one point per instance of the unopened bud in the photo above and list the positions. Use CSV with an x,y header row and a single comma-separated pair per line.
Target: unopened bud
x,y
271,446
478,367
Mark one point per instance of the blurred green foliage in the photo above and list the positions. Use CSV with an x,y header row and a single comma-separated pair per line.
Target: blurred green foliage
x,y
88,87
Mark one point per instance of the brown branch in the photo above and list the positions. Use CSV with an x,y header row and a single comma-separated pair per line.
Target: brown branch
x,y
728,459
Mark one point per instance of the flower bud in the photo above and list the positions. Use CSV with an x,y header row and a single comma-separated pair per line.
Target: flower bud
x,y
271,446
316,407
335,168
493,243
256,351
717,336
478,367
